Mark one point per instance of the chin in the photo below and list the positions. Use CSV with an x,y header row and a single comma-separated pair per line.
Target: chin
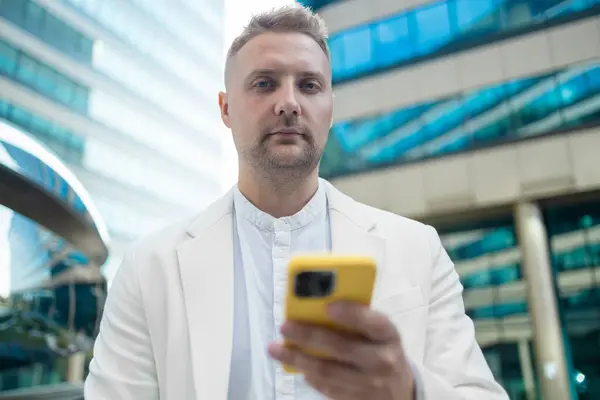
x,y
288,159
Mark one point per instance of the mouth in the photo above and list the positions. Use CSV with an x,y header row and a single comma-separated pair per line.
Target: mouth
x,y
287,132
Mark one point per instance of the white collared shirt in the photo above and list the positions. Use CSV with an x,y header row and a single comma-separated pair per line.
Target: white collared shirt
x,y
263,246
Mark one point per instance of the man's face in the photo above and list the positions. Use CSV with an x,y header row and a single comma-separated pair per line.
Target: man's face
x,y
279,102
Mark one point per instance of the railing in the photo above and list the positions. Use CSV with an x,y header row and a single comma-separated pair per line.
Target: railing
x,y
66,391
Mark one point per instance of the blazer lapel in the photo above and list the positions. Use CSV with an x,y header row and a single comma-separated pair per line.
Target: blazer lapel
x,y
352,232
206,266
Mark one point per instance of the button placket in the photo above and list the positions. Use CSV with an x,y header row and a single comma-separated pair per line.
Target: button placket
x,y
284,382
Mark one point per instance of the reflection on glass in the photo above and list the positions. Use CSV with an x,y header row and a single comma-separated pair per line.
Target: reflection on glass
x,y
516,109
575,246
45,314
51,294
436,28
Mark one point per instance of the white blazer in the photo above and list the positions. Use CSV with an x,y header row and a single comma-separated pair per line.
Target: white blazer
x,y
167,327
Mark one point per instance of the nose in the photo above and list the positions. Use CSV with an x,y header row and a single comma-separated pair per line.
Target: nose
x,y
287,102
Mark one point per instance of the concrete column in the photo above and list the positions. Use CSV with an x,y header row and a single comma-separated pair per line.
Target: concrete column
x,y
548,341
527,369
76,366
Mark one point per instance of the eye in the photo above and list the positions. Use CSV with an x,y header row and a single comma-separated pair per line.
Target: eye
x,y
263,84
311,86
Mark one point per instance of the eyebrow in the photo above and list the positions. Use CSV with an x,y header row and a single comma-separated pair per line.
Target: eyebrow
x,y
273,72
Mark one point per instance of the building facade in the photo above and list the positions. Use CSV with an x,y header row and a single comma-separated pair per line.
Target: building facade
x,y
124,93
482,118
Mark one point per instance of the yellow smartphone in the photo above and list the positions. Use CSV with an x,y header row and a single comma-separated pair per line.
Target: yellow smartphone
x,y
315,281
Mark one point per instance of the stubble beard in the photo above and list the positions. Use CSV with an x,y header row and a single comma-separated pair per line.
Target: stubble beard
x,y
283,169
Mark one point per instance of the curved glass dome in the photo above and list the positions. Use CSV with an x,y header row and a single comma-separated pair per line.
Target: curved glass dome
x,y
52,245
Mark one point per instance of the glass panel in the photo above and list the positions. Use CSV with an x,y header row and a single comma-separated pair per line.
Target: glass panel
x,y
45,26
357,49
392,42
516,109
26,71
47,80
34,21
487,260
432,28
36,75
8,58
574,232
13,10
476,17
436,27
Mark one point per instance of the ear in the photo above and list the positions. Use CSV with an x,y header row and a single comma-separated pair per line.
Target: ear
x,y
332,109
224,106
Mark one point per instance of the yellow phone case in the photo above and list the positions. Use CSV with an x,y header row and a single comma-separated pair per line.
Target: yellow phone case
x,y
354,279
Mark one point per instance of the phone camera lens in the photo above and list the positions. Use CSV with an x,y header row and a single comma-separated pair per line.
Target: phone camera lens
x,y
314,283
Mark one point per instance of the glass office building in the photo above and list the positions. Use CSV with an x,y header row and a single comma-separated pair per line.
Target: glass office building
x,y
427,89
124,93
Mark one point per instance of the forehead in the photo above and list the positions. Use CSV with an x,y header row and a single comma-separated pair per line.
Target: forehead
x,y
284,52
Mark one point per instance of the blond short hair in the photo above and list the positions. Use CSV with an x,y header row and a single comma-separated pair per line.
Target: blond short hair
x,y
287,19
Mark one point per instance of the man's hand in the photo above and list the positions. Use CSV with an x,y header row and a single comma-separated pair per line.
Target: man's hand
x,y
370,366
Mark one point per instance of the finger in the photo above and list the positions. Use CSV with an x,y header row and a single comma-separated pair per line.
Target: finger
x,y
338,346
364,320
329,375
334,391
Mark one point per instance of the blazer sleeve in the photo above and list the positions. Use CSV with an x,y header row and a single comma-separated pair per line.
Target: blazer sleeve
x,y
453,367
122,367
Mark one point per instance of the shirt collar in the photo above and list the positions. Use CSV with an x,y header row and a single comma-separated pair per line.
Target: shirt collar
x,y
317,206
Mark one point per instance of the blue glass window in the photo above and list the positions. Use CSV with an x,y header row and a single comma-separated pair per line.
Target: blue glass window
x,y
492,277
476,17
392,42
8,59
432,25
494,252
510,110
47,27
575,237
45,80
434,29
358,39
574,232
498,311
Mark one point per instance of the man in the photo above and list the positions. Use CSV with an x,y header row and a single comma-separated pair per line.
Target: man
x,y
195,311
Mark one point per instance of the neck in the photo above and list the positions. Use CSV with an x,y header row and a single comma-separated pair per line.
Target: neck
x,y
274,198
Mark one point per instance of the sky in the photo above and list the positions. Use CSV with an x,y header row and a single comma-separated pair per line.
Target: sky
x,y
237,14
